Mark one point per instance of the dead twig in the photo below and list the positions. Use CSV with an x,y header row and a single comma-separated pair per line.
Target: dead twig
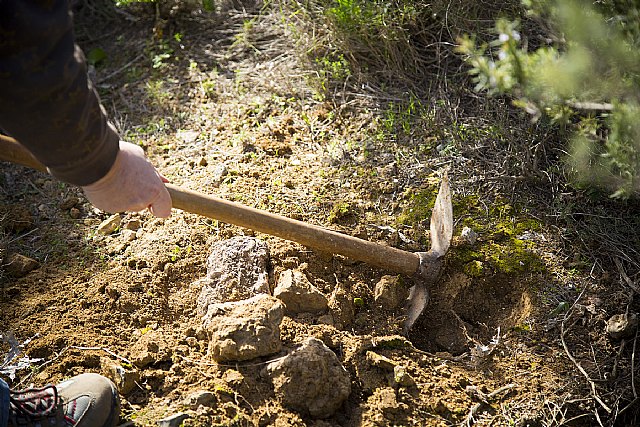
x,y
205,363
633,378
625,277
485,398
73,347
121,69
563,331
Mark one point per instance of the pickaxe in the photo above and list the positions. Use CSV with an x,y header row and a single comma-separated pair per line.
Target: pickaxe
x,y
424,267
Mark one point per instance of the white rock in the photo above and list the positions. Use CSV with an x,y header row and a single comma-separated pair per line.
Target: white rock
x,y
236,270
469,235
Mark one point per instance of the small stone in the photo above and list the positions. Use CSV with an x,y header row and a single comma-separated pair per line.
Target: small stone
x,y
188,136
151,348
390,292
342,307
311,380
124,379
236,270
133,224
380,361
469,236
110,224
298,294
69,202
244,330
233,378
326,319
174,420
128,235
402,378
200,398
75,213
622,326
203,161
18,265
219,173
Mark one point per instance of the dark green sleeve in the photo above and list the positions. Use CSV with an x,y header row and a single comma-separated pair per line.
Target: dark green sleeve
x,y
46,100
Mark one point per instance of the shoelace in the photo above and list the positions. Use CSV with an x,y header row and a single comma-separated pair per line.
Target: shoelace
x,y
34,402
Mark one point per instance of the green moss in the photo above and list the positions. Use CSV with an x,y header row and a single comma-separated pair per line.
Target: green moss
x,y
465,254
513,257
474,268
498,223
419,207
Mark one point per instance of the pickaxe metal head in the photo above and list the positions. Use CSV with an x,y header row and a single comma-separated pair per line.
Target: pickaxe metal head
x,y
431,262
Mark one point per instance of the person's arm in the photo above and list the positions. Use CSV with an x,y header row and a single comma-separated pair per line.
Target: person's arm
x,y
48,104
46,100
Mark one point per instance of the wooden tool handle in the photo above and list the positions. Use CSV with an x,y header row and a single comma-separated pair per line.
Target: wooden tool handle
x,y
309,235
290,229
12,151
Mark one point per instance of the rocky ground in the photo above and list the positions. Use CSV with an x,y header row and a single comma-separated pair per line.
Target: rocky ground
x,y
204,323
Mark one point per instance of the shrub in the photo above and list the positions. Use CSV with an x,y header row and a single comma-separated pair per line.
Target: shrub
x,y
583,78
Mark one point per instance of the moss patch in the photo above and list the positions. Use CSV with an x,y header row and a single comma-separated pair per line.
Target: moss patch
x,y
499,250
419,205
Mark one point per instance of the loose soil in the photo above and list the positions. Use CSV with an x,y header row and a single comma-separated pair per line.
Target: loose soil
x,y
494,347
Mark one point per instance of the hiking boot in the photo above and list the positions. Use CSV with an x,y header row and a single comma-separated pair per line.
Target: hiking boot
x,y
87,400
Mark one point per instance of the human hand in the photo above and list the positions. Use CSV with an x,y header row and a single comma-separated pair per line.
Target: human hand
x,y
132,184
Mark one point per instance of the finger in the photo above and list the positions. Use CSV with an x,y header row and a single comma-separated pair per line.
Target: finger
x,y
161,206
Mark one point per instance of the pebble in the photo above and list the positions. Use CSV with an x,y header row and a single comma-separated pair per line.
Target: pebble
x,y
622,326
133,224
219,172
326,319
69,202
18,265
110,224
124,379
298,294
198,398
128,235
469,235
390,292
173,420
75,213
402,378
380,361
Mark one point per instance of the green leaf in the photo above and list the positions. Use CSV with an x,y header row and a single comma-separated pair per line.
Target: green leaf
x,y
96,56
